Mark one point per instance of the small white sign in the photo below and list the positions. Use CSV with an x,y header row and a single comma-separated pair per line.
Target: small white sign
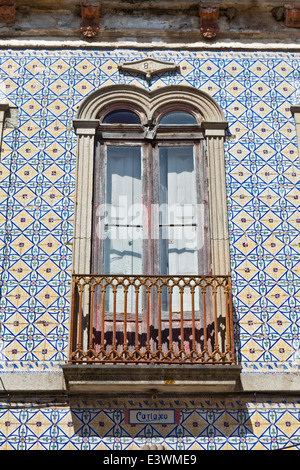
x,y
151,416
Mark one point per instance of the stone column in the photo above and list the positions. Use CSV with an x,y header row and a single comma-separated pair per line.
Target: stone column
x,y
86,130
215,134
295,110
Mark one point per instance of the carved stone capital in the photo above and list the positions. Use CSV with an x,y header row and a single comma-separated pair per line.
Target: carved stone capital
x,y
90,13
209,16
7,11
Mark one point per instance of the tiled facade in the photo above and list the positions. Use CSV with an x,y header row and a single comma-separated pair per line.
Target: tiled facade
x,y
255,91
205,424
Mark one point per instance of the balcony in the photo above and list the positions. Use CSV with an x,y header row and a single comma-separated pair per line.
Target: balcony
x,y
174,329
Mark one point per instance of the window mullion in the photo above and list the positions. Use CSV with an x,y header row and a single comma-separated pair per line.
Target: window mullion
x,y
148,192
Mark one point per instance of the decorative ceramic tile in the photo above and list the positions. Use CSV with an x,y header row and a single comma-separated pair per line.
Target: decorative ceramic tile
x,y
204,424
255,91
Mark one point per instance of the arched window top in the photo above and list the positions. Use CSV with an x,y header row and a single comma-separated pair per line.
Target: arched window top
x,y
121,116
178,118
149,103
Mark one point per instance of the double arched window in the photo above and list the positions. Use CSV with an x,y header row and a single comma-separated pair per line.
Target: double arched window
x,y
150,211
151,253
151,195
126,116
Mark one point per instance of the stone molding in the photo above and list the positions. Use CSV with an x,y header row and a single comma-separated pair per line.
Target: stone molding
x,y
8,118
93,105
295,110
160,378
3,109
171,21
30,383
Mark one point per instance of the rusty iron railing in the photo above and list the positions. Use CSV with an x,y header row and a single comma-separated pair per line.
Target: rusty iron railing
x,y
151,319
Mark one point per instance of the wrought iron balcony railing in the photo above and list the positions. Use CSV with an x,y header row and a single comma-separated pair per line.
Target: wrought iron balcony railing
x,y
151,319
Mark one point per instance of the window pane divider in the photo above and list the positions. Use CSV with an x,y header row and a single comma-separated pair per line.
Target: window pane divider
x,y
121,225
177,225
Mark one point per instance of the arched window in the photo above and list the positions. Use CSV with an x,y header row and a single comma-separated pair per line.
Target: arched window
x,y
151,221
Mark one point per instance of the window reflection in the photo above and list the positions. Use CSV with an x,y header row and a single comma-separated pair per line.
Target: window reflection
x,y
121,116
178,117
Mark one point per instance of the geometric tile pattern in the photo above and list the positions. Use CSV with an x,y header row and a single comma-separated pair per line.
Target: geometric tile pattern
x,y
206,424
255,91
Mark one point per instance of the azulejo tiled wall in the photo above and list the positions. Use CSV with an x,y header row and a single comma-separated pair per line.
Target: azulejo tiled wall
x,y
255,90
100,424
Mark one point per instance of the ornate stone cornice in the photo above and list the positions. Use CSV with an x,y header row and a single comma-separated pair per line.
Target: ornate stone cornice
x,y
155,22
150,101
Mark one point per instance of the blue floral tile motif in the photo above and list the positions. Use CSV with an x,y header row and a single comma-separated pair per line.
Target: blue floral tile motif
x,y
204,424
37,176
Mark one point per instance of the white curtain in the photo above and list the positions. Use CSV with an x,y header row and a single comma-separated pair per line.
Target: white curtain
x,y
178,229
177,219
123,224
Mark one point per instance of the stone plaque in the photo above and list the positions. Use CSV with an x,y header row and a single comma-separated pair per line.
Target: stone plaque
x,y
148,67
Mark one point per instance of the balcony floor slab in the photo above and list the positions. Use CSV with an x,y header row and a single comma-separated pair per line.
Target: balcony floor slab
x,y
116,379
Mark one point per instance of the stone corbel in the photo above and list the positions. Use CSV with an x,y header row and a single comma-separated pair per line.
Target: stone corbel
x,y
7,11
292,15
209,16
90,13
150,133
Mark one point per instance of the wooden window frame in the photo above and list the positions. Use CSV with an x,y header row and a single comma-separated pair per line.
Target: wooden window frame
x,y
167,136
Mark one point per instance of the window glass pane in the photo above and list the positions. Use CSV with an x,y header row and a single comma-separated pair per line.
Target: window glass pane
x,y
123,222
178,221
122,244
178,117
177,199
121,116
